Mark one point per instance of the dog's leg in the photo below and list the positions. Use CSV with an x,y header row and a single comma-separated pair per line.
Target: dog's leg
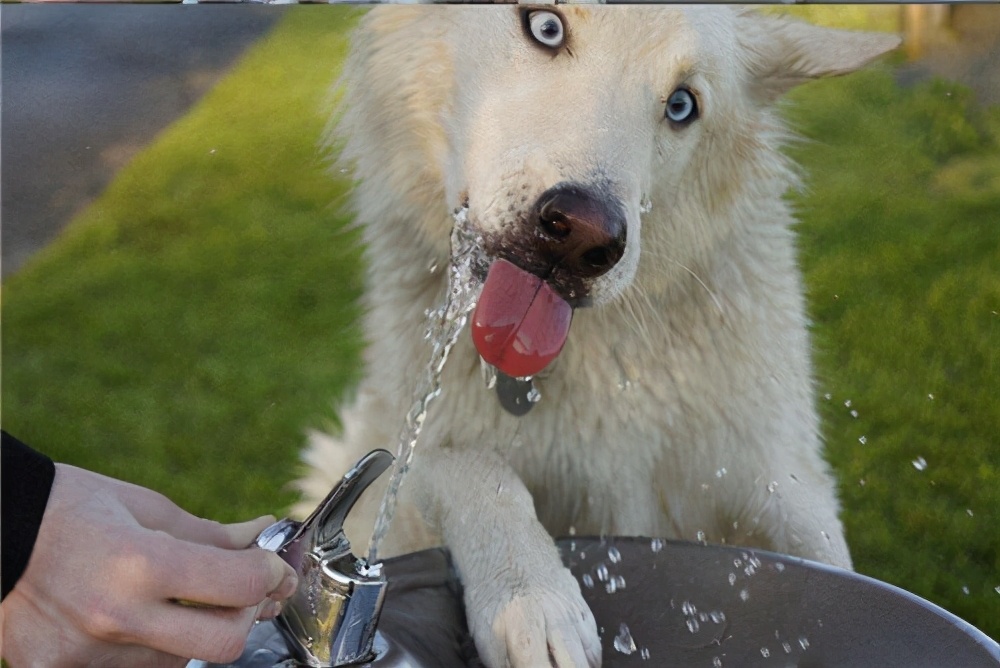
x,y
809,526
799,518
524,607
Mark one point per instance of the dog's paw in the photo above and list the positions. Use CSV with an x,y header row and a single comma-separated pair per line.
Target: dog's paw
x,y
546,623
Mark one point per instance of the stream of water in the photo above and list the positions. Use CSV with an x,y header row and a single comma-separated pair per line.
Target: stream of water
x,y
444,325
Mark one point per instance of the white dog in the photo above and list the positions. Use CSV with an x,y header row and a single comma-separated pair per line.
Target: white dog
x,y
623,167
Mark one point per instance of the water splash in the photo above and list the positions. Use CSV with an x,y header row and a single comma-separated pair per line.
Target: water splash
x,y
623,641
445,324
489,373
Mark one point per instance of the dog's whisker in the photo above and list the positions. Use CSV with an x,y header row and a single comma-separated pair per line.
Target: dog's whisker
x,y
718,304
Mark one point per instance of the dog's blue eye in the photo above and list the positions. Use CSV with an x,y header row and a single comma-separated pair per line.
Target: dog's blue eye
x,y
681,106
547,28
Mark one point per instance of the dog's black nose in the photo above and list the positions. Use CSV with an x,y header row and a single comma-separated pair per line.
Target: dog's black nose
x,y
581,230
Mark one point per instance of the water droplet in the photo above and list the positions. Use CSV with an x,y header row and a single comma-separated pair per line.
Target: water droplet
x,y
614,555
854,414
588,581
701,537
572,531
804,642
717,616
623,641
656,544
533,396
997,589
862,482
828,396
692,625
847,403
749,571
965,589
771,486
721,472
744,595
765,652
737,563
688,608
863,440
716,662
602,572
919,463
779,567
644,653
732,579
930,397
432,267
612,586
645,205
968,511
787,647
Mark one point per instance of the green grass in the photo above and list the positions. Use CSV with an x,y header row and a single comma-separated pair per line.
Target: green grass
x,y
200,315
901,243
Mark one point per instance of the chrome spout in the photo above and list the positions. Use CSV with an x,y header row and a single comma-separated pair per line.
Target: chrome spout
x,y
330,620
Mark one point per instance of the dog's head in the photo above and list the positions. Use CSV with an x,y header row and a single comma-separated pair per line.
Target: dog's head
x,y
577,136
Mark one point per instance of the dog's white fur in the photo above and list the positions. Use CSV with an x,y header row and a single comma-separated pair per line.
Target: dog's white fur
x,y
682,404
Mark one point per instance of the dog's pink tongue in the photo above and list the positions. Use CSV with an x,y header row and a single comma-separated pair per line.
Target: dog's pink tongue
x,y
520,323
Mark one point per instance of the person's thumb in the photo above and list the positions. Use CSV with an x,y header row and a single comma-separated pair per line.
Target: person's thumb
x,y
243,534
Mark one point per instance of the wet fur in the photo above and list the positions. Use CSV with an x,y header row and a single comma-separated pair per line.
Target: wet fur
x,y
683,402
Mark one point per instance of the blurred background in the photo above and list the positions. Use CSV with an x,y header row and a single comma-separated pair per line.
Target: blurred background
x,y
179,284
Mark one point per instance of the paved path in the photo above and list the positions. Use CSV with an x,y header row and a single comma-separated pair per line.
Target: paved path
x,y
86,87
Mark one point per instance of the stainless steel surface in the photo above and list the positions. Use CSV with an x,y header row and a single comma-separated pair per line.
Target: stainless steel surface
x,y
682,604
330,620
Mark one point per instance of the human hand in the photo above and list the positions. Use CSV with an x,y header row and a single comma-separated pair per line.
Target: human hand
x,y
110,565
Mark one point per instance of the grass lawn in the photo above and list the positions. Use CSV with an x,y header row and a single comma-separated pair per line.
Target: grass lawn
x,y
192,323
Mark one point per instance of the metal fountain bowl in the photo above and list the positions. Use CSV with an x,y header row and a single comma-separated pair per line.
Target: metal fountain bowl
x,y
669,603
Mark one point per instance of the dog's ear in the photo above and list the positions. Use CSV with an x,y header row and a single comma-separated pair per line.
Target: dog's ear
x,y
784,53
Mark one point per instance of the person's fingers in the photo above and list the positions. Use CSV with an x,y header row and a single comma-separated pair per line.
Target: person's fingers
x,y
214,576
215,635
268,609
244,534
155,511
115,656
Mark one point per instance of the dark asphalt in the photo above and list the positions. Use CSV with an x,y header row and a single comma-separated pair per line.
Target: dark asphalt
x,y
87,86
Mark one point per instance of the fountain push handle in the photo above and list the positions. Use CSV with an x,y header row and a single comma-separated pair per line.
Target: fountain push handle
x,y
330,620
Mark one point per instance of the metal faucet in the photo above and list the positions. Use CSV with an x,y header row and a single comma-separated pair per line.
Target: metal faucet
x,y
330,620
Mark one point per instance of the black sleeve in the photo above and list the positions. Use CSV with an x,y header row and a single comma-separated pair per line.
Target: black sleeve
x,y
25,482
